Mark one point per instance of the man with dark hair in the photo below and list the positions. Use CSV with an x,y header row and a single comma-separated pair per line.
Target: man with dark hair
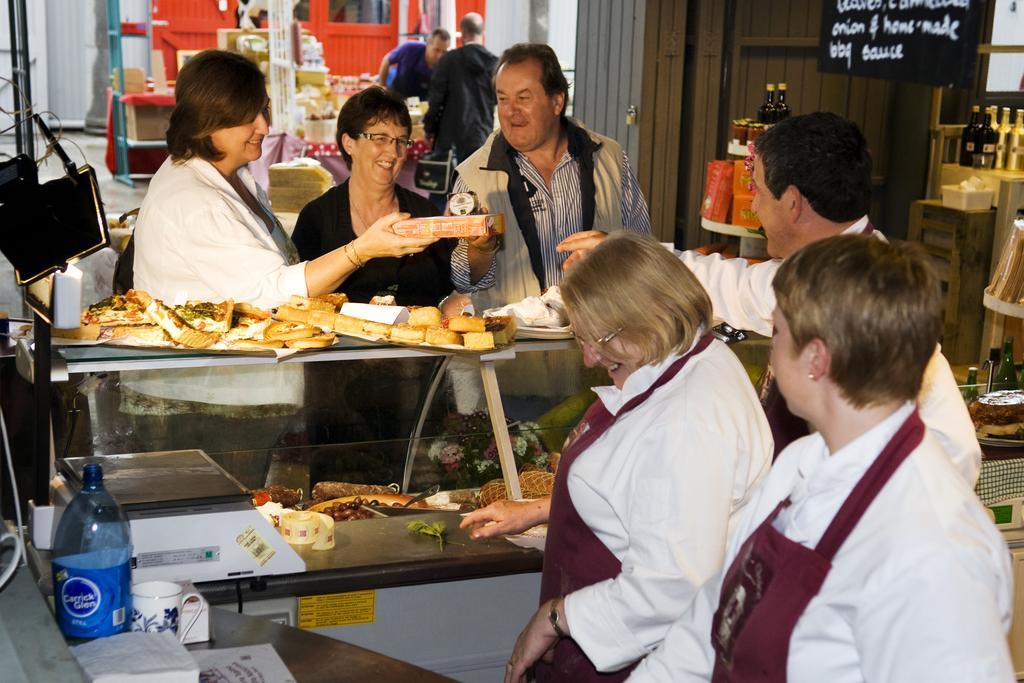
x,y
548,175
461,113
812,180
414,64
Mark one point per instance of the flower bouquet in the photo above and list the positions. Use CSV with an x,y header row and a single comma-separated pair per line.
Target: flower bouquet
x,y
467,455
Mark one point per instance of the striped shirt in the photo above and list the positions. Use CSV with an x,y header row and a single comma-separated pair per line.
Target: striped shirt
x,y
558,213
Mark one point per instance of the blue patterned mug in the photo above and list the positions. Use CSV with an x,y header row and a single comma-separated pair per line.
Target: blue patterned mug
x,y
156,606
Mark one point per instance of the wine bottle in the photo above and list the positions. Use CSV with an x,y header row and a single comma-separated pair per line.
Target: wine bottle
x,y
1005,372
1002,140
967,138
766,112
985,143
1015,159
781,108
970,390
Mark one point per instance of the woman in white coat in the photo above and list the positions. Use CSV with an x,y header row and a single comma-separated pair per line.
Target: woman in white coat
x,y
651,478
205,230
863,556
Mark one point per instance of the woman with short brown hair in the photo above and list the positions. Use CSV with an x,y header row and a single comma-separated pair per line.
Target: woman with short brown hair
x,y
650,478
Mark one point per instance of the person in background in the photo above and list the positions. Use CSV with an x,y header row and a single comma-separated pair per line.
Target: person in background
x,y
548,175
373,136
205,230
414,64
653,475
863,555
462,100
811,180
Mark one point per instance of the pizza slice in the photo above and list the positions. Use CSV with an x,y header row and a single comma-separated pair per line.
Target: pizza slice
x,y
114,311
172,323
206,316
249,323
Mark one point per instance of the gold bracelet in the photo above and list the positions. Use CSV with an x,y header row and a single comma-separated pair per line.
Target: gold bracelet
x,y
355,265
359,259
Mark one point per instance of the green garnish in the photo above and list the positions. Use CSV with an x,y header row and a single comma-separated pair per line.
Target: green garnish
x,y
436,529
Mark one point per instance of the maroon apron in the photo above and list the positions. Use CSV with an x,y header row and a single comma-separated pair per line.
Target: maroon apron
x,y
786,427
771,581
574,557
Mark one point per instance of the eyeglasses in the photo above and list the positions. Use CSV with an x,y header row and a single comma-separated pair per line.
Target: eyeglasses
x,y
383,140
602,341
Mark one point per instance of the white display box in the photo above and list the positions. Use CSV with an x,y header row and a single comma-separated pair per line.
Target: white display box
x,y
956,197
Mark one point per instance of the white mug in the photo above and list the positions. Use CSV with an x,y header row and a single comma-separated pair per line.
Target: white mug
x,y
156,606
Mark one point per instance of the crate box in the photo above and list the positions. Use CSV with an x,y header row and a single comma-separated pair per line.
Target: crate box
x,y
146,122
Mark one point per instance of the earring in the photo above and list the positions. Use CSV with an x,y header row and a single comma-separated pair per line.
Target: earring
x,y
810,376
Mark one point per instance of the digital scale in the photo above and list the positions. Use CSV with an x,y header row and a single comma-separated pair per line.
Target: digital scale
x,y
190,520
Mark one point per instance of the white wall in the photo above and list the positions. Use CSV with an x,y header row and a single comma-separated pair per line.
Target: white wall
x,y
1006,71
36,12
508,23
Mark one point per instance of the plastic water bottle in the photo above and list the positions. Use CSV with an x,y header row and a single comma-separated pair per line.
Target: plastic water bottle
x,y
91,564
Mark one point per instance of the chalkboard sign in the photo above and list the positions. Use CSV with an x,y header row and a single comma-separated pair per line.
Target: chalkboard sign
x,y
922,41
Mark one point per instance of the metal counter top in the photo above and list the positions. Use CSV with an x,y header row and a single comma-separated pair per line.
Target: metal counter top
x,y
381,553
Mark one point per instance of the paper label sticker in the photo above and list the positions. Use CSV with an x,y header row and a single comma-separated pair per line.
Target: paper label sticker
x,y
337,609
255,545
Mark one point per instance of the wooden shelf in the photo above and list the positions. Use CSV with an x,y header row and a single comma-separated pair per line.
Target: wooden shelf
x,y
730,229
1004,307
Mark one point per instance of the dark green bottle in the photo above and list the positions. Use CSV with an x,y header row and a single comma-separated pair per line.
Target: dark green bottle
x,y
970,390
1006,373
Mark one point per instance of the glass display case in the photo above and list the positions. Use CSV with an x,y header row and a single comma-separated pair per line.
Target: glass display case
x,y
359,412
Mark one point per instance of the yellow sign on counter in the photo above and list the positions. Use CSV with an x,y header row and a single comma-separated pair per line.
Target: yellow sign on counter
x,y
337,609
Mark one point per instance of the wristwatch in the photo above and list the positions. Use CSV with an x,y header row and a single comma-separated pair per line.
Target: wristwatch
x,y
553,618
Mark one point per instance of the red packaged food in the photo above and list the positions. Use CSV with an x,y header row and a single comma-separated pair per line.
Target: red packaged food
x,y
717,191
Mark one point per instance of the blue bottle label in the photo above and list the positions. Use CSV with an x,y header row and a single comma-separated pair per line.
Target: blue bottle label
x,y
91,603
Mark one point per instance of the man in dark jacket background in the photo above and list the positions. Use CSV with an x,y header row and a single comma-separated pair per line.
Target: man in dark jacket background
x,y
462,98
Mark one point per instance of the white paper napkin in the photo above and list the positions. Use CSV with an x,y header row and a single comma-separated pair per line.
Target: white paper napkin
x,y
150,657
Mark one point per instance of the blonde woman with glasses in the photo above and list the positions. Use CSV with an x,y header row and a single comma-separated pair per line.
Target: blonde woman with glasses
x,y
651,477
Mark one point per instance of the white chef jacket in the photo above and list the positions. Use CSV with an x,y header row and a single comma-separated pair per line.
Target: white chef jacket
x,y
660,489
920,591
742,296
196,239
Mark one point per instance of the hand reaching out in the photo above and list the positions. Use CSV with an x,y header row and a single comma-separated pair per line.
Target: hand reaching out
x,y
381,240
579,245
506,517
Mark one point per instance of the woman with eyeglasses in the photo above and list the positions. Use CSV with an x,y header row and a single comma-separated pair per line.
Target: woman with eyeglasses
x,y
205,230
652,477
373,136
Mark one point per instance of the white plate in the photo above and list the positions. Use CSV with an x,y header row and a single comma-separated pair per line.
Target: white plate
x,y
544,332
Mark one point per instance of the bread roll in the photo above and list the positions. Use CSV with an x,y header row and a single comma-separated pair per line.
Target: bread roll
x,y
425,316
336,299
285,331
322,319
320,341
377,329
250,311
306,304
346,323
466,323
292,314
255,344
478,341
440,335
407,333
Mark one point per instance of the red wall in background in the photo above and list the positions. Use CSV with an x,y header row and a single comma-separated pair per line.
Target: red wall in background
x,y
349,49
